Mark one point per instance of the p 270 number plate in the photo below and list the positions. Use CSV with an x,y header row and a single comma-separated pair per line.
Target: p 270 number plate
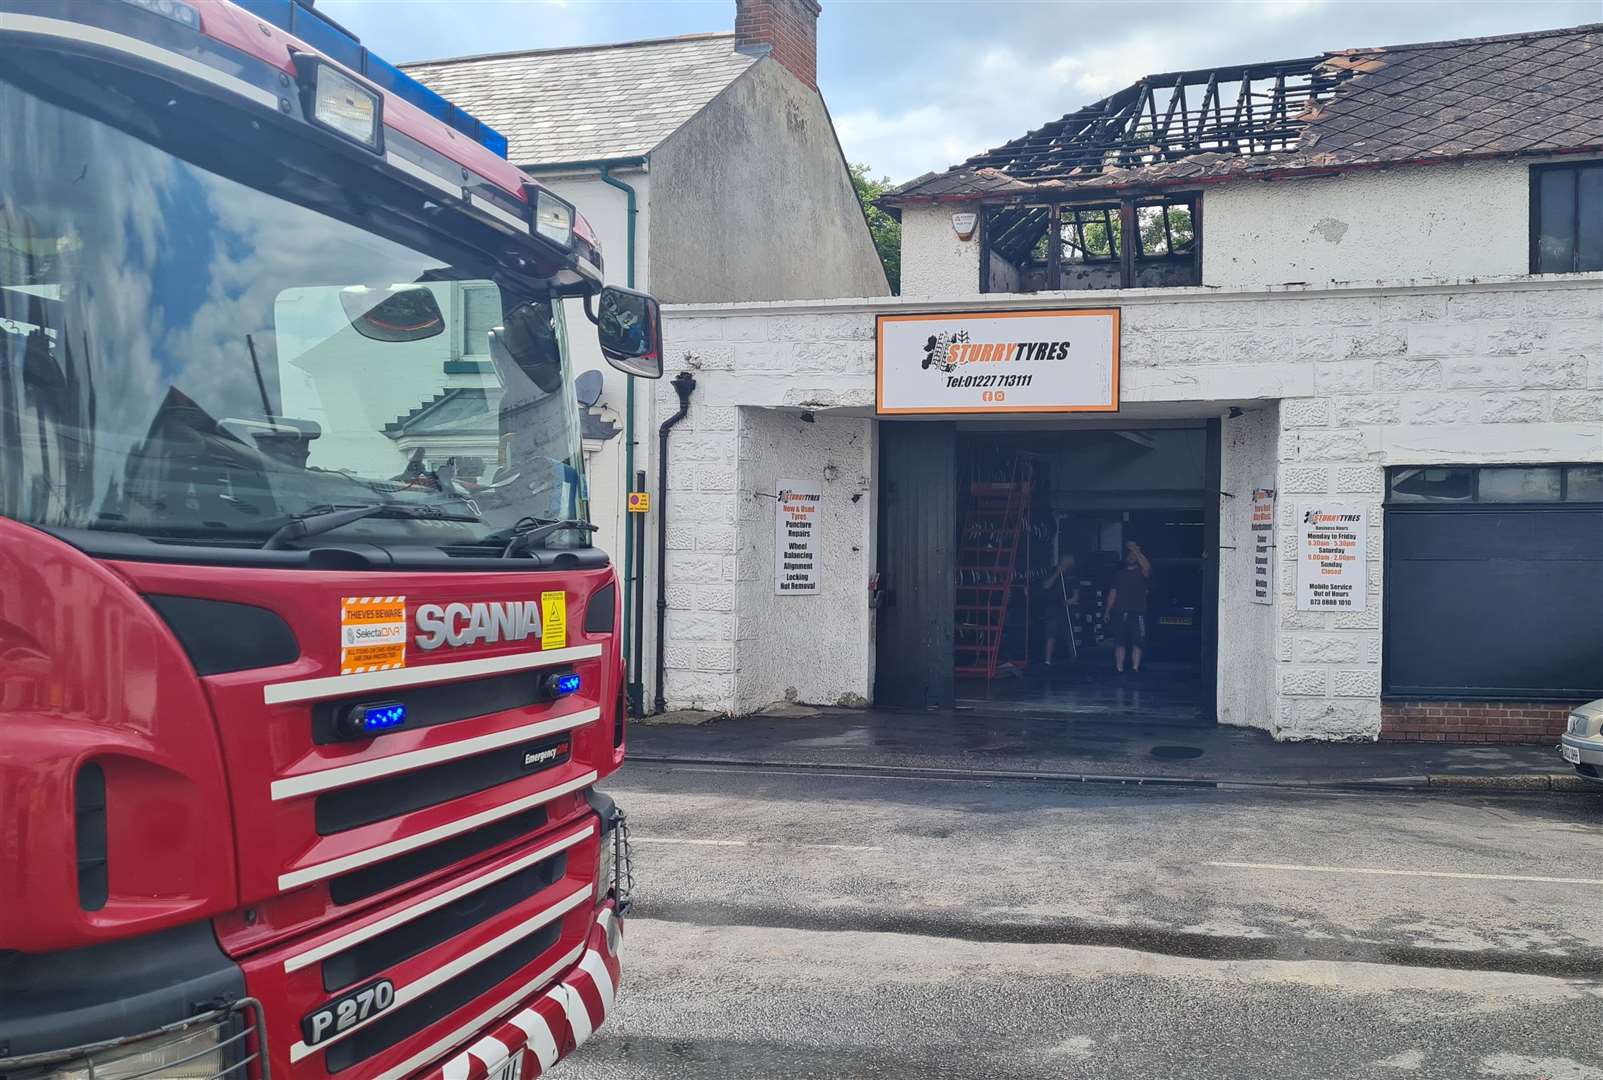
x,y
346,1011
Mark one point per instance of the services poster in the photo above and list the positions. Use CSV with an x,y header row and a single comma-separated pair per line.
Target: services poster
x,y
1332,557
796,537
1263,545
998,362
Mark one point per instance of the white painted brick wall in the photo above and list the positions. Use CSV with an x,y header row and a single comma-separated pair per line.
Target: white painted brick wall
x,y
1364,377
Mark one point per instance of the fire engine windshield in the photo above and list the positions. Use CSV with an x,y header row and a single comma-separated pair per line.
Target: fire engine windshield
x,y
187,356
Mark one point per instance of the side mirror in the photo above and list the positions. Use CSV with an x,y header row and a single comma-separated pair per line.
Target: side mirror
x,y
630,328
397,313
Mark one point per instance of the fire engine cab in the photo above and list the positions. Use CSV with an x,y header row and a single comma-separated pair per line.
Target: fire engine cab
x,y
308,669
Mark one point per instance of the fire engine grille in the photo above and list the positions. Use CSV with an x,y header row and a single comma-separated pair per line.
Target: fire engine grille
x,y
372,880
409,939
442,1001
223,1044
352,807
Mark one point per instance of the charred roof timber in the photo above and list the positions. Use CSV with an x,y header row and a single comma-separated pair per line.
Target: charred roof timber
x,y
1539,92
1248,110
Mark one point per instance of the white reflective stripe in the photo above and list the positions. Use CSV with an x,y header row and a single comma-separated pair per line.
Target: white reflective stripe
x,y
383,851
334,685
456,1069
587,268
488,207
422,985
441,1045
420,172
107,39
573,1005
390,922
597,969
343,775
490,1050
541,1042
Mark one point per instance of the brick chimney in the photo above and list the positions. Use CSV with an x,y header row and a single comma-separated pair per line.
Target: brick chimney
x,y
789,28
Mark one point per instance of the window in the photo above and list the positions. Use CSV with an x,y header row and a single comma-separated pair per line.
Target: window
x,y
1566,218
1090,233
1494,582
1495,484
481,311
1128,243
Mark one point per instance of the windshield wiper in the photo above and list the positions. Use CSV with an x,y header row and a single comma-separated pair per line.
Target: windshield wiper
x,y
537,530
324,519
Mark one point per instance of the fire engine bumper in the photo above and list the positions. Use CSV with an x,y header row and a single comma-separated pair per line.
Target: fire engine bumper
x,y
551,1025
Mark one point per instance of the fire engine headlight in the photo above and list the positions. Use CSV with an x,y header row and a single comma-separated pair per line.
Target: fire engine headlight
x,y
339,103
553,219
180,1055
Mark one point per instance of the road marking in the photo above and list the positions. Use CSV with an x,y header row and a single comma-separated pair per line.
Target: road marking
x,y
1405,873
692,841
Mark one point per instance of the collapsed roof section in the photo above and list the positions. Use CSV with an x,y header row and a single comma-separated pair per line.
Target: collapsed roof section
x,y
1536,93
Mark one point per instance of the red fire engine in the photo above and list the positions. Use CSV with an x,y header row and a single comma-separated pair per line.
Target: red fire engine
x,y
308,669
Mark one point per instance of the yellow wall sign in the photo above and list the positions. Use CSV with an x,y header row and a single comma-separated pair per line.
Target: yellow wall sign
x,y
640,502
553,620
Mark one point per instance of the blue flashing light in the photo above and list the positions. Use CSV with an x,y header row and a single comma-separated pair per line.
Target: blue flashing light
x,y
383,717
567,684
339,44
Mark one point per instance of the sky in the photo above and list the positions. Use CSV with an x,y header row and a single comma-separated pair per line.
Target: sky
x,y
916,86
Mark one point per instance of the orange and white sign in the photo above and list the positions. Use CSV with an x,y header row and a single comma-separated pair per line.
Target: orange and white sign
x,y
1332,557
998,362
372,633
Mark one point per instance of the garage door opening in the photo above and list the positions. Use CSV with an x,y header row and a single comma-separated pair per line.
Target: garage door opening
x,y
1069,550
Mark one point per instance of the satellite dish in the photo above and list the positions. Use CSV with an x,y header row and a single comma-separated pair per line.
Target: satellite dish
x,y
587,388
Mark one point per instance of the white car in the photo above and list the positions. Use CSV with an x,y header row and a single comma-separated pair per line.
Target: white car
x,y
1582,741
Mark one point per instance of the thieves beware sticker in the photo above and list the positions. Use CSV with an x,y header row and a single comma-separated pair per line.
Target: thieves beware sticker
x,y
372,633
553,620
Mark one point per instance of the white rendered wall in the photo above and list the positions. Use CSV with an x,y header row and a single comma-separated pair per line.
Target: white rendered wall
x,y
1443,222
1246,675
1438,222
1505,371
934,261
815,648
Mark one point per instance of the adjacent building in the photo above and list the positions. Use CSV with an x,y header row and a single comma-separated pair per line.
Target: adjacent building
x,y
1324,337
709,167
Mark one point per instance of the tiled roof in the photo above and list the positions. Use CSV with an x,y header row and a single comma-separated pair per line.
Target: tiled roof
x,y
584,104
1534,93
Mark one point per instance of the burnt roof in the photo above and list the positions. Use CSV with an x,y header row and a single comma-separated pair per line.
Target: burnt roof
x,y
1532,93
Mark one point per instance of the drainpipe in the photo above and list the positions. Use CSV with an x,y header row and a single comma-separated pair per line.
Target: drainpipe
x,y
633,595
632,591
683,384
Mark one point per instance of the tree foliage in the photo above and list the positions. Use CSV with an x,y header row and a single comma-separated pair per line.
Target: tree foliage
x,y
886,230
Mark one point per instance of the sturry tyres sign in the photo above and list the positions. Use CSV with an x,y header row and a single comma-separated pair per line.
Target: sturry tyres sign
x,y
998,362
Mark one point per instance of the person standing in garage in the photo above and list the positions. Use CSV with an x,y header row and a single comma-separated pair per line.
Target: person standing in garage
x,y
1126,611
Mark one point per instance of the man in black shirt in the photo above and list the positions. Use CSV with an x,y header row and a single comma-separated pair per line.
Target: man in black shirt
x,y
1126,610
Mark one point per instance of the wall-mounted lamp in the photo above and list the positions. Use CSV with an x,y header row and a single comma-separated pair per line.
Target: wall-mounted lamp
x,y
964,224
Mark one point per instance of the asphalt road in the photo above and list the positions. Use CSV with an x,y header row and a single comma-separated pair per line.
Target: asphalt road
x,y
808,925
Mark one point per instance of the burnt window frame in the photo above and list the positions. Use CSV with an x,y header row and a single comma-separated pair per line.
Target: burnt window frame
x,y
1127,257
1574,168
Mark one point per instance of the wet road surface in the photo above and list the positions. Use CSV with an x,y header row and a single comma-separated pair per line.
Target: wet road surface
x,y
810,925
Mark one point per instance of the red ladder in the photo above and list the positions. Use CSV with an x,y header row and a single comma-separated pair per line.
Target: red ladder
x,y
987,557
